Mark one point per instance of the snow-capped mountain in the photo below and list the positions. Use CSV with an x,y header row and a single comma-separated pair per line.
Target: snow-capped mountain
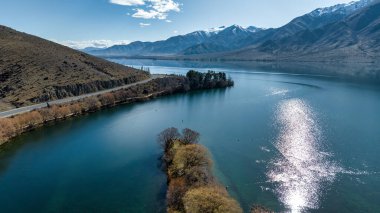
x,y
354,38
317,19
234,27
221,39
254,29
341,8
215,29
220,36
224,39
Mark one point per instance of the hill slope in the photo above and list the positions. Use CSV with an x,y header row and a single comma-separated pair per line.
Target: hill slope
x,y
233,38
355,38
170,46
34,70
222,38
311,21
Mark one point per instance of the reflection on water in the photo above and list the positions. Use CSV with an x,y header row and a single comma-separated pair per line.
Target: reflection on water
x,y
276,91
301,168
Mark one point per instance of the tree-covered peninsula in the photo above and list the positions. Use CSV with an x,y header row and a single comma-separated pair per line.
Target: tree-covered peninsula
x,y
192,188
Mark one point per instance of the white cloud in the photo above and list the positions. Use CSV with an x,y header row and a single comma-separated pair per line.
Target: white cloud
x,y
92,43
168,21
151,14
128,2
164,6
152,9
144,24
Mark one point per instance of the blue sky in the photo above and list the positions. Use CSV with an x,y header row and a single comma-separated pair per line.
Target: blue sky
x,y
105,22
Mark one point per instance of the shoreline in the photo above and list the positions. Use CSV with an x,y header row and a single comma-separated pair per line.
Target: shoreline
x,y
11,127
258,60
28,108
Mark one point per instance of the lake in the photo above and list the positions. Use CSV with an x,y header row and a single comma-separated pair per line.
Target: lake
x,y
292,139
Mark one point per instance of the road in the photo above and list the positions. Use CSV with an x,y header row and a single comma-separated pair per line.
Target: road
x,y
21,110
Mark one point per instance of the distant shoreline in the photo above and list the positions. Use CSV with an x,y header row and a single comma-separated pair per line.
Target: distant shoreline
x,y
221,59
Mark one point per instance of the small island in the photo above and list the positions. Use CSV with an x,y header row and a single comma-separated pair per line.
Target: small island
x,y
192,187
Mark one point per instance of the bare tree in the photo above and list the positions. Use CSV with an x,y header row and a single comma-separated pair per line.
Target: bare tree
x,y
190,136
107,99
92,103
166,137
75,108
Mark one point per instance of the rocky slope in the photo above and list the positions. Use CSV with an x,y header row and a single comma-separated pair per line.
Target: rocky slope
x,y
243,38
33,69
355,38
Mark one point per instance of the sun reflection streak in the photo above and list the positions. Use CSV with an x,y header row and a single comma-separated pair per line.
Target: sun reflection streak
x,y
301,167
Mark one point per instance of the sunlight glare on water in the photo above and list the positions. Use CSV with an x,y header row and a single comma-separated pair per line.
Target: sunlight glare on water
x,y
302,168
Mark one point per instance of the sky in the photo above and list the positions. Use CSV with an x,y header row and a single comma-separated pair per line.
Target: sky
x,y
101,23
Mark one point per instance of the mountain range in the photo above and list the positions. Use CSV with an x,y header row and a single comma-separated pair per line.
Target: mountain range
x,y
341,32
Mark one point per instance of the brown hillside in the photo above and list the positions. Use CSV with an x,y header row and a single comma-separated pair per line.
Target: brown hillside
x,y
35,70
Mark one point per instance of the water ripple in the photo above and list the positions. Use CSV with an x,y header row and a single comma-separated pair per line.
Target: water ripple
x,y
302,167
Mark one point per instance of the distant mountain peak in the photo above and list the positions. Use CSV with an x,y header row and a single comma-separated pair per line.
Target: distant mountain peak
x,y
341,8
254,29
215,29
236,26
232,28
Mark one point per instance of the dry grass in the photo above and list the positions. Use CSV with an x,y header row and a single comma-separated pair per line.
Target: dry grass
x,y
33,69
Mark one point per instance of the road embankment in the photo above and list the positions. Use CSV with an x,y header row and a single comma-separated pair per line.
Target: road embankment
x,y
19,121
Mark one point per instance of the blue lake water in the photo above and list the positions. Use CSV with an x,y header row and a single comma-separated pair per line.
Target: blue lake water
x,y
300,141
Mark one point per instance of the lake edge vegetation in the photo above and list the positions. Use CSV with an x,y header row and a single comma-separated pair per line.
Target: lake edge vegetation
x,y
192,187
16,125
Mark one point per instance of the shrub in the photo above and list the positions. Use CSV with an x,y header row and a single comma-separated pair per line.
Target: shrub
x,y
63,111
120,95
176,191
210,200
190,136
92,103
7,128
28,119
55,111
166,137
33,118
47,114
107,99
75,108
20,122
191,161
199,176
